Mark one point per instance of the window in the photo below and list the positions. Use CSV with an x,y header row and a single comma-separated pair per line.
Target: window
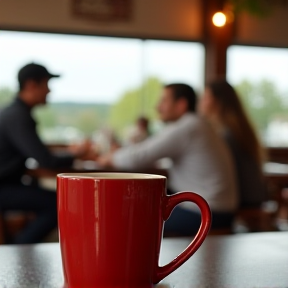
x,y
260,75
105,81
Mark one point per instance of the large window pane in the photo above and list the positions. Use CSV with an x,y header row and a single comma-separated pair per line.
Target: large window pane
x,y
105,81
174,61
260,75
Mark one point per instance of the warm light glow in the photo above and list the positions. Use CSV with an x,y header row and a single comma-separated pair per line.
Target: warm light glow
x,y
219,19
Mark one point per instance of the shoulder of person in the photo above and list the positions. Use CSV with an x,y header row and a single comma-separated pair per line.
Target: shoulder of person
x,y
15,111
183,127
192,121
8,110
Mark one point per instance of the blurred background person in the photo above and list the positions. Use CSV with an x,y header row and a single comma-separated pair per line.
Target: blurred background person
x,y
19,141
201,161
140,131
221,105
105,140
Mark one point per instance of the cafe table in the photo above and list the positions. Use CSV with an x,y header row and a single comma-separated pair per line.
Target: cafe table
x,y
241,260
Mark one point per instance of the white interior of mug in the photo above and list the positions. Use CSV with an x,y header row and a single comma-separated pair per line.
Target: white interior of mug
x,y
111,175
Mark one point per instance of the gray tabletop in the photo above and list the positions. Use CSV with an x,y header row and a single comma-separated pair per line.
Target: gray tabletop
x,y
246,260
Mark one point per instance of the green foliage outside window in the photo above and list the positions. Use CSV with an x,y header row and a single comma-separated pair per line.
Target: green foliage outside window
x,y
263,103
136,102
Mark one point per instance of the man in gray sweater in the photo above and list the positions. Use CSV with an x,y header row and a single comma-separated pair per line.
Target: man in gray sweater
x,y
200,161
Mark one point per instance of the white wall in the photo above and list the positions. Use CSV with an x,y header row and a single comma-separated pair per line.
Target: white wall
x,y
152,18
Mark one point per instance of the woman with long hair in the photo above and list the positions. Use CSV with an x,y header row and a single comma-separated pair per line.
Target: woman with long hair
x,y
221,106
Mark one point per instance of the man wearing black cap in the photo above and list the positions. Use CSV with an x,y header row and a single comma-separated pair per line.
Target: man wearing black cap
x,y
18,142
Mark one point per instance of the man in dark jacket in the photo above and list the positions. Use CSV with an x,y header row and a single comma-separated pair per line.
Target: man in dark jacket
x,y
19,141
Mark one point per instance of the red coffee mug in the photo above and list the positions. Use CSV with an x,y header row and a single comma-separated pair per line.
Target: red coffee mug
x,y
110,228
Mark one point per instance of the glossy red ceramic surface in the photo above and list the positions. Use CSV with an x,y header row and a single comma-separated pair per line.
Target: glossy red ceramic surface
x,y
111,229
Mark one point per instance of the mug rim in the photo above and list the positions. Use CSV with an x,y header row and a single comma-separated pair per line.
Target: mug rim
x,y
110,175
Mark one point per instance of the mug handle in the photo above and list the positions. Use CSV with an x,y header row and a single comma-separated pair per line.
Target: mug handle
x,y
206,218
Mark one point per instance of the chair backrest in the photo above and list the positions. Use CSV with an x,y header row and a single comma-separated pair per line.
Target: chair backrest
x,y
255,219
2,238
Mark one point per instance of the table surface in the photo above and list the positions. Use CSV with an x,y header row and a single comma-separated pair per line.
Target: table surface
x,y
243,260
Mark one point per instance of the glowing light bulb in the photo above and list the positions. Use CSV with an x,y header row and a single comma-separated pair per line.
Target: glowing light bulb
x,y
219,19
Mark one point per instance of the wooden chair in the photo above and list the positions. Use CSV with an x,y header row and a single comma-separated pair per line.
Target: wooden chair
x,y
2,233
255,220
11,222
278,154
282,213
222,231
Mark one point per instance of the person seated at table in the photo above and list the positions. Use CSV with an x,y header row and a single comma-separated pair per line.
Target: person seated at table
x,y
18,142
140,131
201,161
221,105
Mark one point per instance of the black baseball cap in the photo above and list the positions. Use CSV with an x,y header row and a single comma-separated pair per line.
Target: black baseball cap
x,y
33,71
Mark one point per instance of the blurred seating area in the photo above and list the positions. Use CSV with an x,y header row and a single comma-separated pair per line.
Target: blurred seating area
x,y
271,216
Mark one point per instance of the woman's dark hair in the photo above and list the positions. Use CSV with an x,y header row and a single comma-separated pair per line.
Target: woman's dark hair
x,y
233,116
184,91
